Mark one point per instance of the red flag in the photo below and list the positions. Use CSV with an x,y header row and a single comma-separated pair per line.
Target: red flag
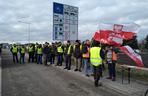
x,y
133,55
107,38
124,31
114,34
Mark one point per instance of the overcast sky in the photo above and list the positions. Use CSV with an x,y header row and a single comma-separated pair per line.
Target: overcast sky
x,y
91,13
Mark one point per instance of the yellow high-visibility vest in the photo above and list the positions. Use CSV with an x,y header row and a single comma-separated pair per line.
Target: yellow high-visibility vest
x,y
36,48
74,46
81,47
95,57
59,49
69,48
14,49
30,49
39,51
22,50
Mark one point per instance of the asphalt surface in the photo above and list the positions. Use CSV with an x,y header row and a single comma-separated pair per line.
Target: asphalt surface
x,y
32,79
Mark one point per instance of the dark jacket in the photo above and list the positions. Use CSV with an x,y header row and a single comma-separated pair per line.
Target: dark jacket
x,y
85,48
77,51
53,50
102,54
46,50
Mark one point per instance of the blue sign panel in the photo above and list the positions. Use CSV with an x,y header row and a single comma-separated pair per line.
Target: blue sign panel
x,y
65,22
58,8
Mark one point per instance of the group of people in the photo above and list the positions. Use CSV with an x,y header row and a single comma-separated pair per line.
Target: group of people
x,y
35,53
87,56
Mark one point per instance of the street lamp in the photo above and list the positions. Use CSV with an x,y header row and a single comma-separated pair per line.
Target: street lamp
x,y
28,23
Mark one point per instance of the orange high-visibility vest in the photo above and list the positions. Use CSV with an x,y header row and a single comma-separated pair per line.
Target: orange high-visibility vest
x,y
86,55
114,56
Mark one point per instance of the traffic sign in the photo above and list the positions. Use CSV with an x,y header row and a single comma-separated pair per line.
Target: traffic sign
x,y
65,22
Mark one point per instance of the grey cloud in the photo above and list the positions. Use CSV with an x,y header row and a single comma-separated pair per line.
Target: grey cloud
x,y
91,13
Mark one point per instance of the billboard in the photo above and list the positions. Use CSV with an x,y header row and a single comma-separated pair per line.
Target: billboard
x,y
65,22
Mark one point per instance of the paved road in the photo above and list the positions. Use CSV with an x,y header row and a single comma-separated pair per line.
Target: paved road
x,y
38,80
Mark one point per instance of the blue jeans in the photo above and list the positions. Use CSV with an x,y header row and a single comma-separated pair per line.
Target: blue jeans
x,y
60,59
39,59
22,58
68,61
112,69
87,67
49,58
15,58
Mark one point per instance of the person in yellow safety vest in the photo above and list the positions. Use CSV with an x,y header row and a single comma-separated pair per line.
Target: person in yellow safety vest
x,y
35,52
96,55
22,54
85,55
77,51
111,61
39,54
14,51
31,53
68,51
60,51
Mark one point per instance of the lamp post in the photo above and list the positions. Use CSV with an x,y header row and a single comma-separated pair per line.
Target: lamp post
x,y
28,23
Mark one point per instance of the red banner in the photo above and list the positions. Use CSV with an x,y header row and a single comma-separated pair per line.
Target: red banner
x,y
104,38
114,34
